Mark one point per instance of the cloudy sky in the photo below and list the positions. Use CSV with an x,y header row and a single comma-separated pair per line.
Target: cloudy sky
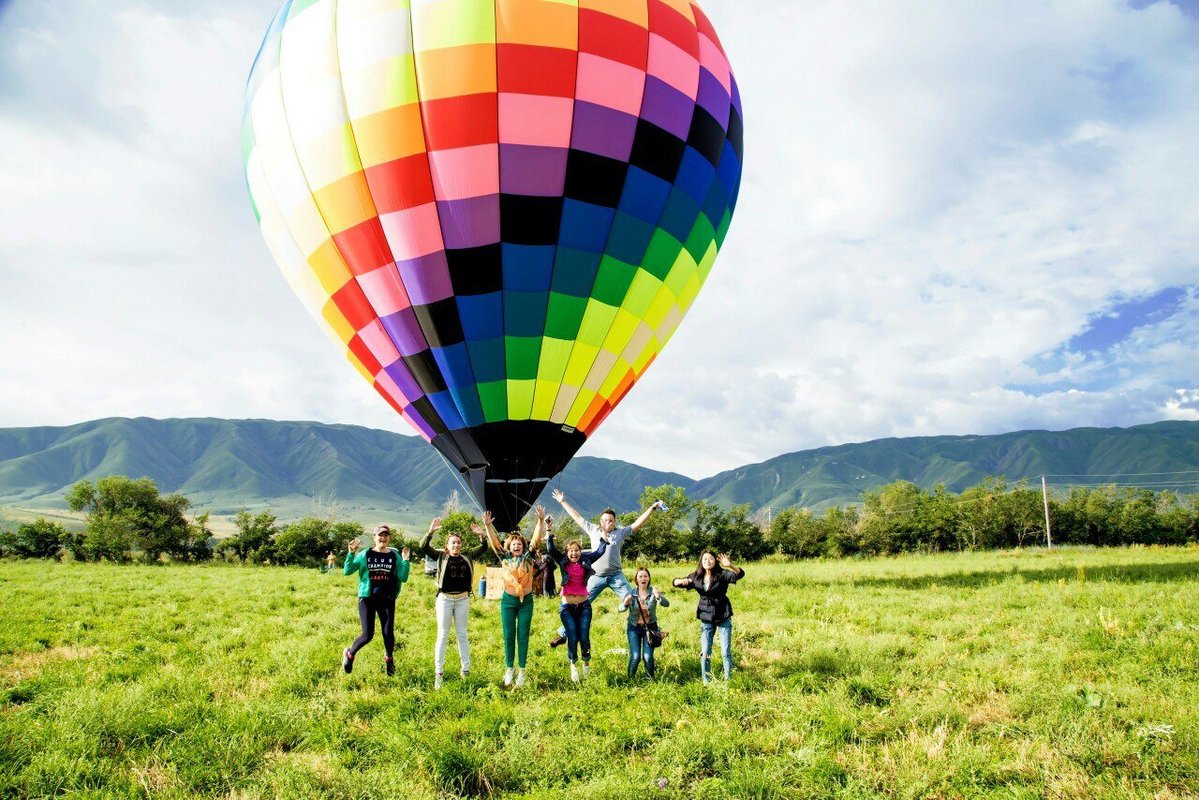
x,y
977,220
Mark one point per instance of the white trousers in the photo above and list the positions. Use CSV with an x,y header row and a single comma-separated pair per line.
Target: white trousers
x,y
456,611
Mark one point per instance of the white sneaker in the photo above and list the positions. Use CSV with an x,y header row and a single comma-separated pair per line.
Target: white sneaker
x,y
520,678
508,676
437,680
586,669
574,673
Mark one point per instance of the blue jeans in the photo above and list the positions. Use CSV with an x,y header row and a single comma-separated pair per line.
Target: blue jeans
x,y
706,630
639,650
596,584
576,620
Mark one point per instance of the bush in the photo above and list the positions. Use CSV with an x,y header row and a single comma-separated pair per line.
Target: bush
x,y
306,541
254,538
124,515
40,539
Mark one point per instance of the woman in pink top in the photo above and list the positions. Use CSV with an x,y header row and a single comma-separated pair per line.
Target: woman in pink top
x,y
575,610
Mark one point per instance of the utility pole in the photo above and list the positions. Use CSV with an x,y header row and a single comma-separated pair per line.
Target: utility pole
x,y
1045,497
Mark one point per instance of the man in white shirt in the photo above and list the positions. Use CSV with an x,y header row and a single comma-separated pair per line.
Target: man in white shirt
x,y
609,571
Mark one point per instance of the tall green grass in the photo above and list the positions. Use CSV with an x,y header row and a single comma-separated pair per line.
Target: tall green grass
x,y
1070,673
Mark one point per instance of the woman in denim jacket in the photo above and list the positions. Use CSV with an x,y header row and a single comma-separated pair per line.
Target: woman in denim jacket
x,y
642,605
714,612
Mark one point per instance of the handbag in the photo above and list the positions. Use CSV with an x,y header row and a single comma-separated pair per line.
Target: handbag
x,y
653,634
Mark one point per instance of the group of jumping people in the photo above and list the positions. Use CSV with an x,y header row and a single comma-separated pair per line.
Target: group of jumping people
x,y
585,574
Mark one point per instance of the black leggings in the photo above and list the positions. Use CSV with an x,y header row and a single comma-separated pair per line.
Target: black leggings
x,y
368,607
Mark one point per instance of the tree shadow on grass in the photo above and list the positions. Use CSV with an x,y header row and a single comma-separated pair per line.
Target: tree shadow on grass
x,y
1107,573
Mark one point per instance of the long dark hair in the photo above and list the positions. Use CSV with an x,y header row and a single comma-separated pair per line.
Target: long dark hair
x,y
700,572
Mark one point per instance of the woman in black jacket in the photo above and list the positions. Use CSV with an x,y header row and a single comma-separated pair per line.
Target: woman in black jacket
x,y
575,611
714,612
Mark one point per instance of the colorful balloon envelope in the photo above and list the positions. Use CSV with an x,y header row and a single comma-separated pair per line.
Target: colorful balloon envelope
x,y
501,209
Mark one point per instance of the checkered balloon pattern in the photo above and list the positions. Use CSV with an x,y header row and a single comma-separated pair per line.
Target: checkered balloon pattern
x,y
500,209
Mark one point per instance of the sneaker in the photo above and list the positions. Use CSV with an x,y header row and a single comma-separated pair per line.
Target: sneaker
x,y
389,666
464,673
574,673
520,678
347,662
437,681
586,669
508,676
558,641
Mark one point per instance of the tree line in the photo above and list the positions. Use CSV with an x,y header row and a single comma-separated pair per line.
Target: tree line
x,y
128,520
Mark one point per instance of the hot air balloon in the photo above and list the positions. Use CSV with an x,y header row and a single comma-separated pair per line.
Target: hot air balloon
x,y
501,209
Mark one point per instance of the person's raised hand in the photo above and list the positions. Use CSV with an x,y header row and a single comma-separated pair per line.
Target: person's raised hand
x,y
478,529
725,563
488,519
405,553
353,546
435,525
539,510
657,593
557,495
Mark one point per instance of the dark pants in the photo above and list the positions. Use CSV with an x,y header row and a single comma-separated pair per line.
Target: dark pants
x,y
385,607
640,650
576,620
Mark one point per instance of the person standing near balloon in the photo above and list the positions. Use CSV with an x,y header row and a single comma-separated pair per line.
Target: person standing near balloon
x,y
517,561
381,570
714,611
575,610
642,606
609,571
454,579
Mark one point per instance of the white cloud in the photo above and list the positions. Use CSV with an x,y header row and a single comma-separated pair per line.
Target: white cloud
x,y
931,201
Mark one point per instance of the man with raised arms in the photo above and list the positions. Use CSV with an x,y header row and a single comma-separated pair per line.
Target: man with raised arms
x,y
609,571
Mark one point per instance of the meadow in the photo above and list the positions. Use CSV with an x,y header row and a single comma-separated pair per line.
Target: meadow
x,y
1064,673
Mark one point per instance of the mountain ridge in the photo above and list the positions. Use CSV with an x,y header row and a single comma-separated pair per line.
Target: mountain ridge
x,y
228,464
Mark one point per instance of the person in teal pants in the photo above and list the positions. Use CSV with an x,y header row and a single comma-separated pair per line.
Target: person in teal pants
x,y
516,603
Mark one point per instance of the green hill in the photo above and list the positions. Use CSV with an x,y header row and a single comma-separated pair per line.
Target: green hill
x,y
837,475
224,465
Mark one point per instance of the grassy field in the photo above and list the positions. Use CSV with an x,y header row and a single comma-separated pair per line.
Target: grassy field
x,y
1072,673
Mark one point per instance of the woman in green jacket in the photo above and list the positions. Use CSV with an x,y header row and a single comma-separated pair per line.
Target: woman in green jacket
x,y
381,570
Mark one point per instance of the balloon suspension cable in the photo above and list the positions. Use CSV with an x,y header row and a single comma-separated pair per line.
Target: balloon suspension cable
x,y
466,490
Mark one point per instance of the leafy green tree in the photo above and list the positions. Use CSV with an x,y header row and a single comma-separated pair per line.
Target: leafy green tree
x,y
797,533
108,538
307,540
38,539
253,541
122,512
732,532
983,516
840,525
890,520
660,538
199,535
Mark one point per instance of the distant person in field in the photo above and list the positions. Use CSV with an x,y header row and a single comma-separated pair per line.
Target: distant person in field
x,y
642,606
575,610
381,570
454,578
609,572
711,579
516,603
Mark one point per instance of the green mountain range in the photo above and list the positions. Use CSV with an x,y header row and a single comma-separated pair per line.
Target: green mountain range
x,y
296,467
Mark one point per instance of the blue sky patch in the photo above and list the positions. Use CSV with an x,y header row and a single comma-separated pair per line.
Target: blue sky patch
x,y
1113,327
